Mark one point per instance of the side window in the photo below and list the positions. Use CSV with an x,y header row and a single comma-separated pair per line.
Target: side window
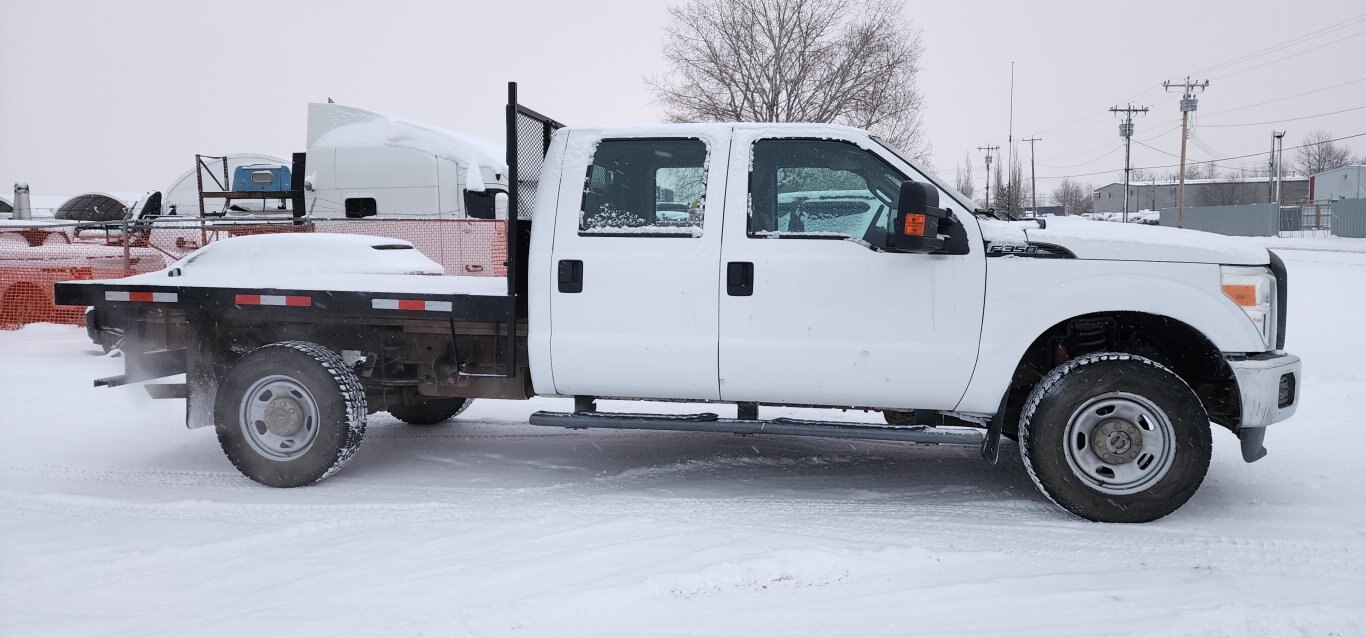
x,y
645,187
357,207
820,189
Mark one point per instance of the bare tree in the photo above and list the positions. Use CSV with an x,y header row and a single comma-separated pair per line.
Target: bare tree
x,y
1226,192
963,180
1074,197
1014,192
851,62
1318,153
1194,170
998,186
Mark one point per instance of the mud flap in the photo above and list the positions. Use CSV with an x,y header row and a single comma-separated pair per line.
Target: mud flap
x,y
1252,439
991,445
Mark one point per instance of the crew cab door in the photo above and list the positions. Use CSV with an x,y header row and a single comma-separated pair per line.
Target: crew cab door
x,y
636,256
826,317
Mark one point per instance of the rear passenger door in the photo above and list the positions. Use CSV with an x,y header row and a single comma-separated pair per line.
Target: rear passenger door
x,y
637,254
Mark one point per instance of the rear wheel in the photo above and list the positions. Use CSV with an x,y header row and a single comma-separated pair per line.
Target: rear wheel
x,y
429,412
1115,438
290,414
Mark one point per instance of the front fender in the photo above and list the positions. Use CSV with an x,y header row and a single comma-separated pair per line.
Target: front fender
x,y
1026,296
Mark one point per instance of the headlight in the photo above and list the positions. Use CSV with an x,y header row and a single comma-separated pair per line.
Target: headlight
x,y
1253,288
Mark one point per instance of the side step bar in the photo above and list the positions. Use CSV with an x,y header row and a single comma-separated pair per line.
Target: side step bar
x,y
708,422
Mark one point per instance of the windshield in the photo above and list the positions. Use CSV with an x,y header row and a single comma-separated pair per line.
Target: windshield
x,y
959,198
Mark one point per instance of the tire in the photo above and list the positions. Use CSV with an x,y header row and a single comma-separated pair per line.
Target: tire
x,y
110,339
1153,446
430,412
309,393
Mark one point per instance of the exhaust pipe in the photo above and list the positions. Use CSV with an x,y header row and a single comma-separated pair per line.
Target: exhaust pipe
x,y
22,209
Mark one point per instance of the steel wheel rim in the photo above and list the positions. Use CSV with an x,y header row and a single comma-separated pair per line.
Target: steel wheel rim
x,y
1120,443
279,418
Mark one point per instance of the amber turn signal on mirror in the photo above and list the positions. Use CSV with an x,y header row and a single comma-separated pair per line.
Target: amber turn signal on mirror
x,y
915,225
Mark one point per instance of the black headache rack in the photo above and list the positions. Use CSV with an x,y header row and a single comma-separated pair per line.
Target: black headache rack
x,y
528,139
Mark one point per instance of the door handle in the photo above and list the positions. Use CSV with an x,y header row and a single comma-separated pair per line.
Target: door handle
x,y
571,275
740,278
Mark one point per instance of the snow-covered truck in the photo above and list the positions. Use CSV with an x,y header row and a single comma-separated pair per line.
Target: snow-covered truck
x,y
745,264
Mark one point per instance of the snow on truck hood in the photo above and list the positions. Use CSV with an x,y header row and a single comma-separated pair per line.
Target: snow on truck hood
x,y
1127,242
245,258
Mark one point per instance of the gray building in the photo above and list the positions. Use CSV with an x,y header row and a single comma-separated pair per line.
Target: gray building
x,y
1343,182
1156,195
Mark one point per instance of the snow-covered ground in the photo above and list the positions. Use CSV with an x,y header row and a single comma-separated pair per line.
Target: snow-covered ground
x,y
115,520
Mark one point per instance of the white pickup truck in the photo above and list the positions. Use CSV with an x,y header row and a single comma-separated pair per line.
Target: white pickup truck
x,y
745,264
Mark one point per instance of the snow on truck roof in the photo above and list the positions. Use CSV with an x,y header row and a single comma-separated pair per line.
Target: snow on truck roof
x,y
718,129
341,126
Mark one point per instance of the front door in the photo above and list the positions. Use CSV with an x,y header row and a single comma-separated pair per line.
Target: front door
x,y
830,319
634,307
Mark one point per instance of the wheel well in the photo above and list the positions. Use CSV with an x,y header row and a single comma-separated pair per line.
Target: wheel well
x,y
1172,343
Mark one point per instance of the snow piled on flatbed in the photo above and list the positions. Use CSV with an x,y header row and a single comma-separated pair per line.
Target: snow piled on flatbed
x,y
115,520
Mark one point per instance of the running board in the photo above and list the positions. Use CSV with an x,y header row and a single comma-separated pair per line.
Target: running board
x,y
707,422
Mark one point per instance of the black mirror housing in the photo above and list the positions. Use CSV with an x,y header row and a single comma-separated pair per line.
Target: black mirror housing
x,y
915,228
480,204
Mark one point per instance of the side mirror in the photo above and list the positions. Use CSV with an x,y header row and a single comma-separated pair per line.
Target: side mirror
x,y
915,228
480,204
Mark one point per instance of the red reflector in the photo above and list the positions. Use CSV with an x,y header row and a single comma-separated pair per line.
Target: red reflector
x,y
248,300
139,296
412,304
915,225
298,301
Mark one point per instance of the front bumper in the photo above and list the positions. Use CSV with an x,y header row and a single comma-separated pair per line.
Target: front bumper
x,y
1269,392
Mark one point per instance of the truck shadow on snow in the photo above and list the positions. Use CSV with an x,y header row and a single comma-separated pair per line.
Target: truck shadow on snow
x,y
687,466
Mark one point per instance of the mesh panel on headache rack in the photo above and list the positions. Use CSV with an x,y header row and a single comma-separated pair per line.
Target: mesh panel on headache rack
x,y
533,138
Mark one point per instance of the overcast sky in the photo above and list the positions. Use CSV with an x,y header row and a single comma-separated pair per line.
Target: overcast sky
x,y
120,95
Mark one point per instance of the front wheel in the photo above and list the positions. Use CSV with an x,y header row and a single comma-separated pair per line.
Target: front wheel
x,y
1114,437
290,414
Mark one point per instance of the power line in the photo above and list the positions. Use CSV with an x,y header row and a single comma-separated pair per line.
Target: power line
x,y
1282,99
1292,55
1093,160
1337,26
1290,119
1220,159
1288,43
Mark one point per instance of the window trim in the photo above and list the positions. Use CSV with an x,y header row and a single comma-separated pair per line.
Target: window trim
x,y
706,181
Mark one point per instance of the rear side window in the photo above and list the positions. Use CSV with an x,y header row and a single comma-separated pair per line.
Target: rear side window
x,y
651,187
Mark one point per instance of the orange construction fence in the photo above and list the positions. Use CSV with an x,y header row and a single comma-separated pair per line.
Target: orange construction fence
x,y
36,254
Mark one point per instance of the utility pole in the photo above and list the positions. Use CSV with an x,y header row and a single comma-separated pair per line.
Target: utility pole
x,y
1271,170
1188,105
1010,148
1280,161
1126,131
989,150
1033,186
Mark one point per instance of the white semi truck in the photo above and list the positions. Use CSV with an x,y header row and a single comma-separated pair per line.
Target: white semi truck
x,y
744,264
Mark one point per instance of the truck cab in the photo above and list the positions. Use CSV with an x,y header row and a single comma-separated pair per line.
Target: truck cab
x,y
777,286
